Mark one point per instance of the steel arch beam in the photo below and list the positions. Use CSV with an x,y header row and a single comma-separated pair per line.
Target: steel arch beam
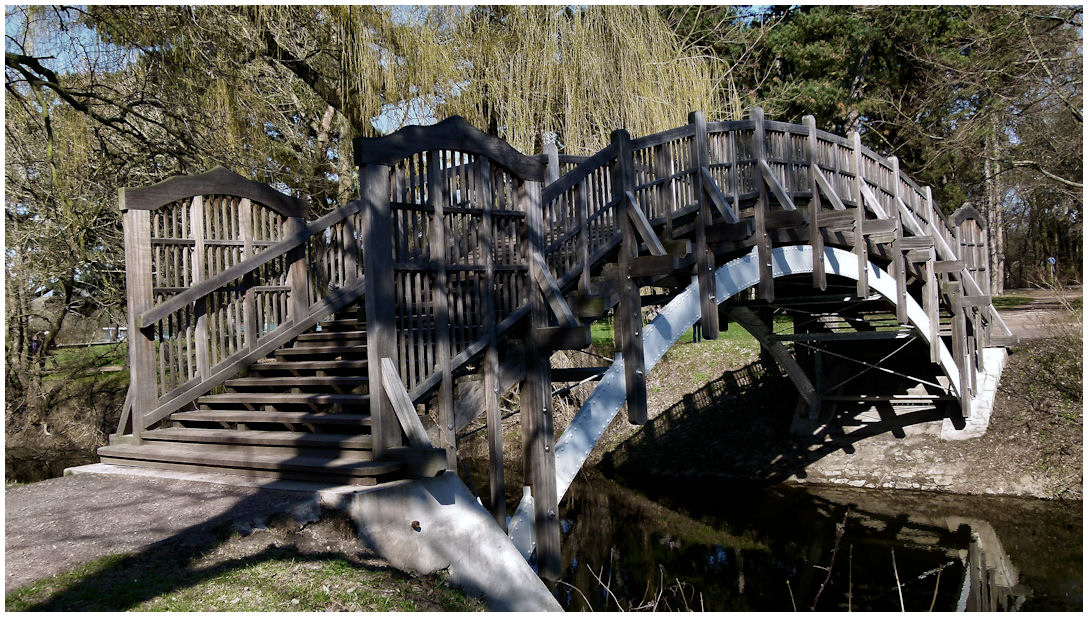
x,y
578,440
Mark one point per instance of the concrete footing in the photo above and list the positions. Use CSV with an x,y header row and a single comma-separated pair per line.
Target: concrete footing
x,y
982,404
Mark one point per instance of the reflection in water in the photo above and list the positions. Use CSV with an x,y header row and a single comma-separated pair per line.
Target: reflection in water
x,y
708,546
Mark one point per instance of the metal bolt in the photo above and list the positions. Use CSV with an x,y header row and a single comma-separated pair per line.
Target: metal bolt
x,y
449,426
547,448
551,514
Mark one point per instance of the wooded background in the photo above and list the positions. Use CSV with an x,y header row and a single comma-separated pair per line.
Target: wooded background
x,y
982,103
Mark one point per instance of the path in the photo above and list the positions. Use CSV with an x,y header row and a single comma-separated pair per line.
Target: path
x,y
52,526
1030,321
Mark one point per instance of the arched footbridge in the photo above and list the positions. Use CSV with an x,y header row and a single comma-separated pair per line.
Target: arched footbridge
x,y
355,346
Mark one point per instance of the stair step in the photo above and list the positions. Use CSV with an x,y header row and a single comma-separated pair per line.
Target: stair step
x,y
248,461
342,324
307,350
309,365
261,438
263,398
349,336
285,417
295,382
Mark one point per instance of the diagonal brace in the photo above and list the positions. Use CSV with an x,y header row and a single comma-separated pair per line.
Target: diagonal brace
x,y
642,225
553,295
829,192
717,197
776,186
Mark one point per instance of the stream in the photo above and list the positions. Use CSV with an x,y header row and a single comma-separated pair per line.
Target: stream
x,y
707,545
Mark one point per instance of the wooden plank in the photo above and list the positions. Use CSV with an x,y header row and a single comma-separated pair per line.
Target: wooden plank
x,y
717,197
785,218
775,186
762,208
975,301
815,238
704,258
402,406
141,342
438,197
726,232
642,225
881,226
860,249
862,335
380,297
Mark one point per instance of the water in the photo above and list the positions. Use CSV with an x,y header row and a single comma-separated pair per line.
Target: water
x,y
711,546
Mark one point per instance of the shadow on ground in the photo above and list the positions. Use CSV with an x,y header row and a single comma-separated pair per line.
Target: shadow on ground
x,y
737,427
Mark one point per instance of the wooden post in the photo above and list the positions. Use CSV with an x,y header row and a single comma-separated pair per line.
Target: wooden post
x,y
704,259
551,151
763,240
298,272
815,236
438,195
931,306
960,351
491,356
628,322
899,266
859,217
536,401
141,341
381,340
196,230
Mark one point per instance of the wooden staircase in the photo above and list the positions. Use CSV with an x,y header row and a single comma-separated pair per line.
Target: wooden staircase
x,y
301,414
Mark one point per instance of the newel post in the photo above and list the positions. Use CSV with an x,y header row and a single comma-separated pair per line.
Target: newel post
x,y
704,259
139,289
380,301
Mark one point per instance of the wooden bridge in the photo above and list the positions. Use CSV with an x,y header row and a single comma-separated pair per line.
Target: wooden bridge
x,y
267,344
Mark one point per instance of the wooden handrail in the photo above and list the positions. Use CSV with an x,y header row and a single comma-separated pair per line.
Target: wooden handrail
x,y
201,290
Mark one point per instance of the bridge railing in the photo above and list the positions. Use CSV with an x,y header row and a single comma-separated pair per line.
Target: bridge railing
x,y
221,271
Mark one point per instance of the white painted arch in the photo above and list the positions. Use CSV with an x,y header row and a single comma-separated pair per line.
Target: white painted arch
x,y
577,441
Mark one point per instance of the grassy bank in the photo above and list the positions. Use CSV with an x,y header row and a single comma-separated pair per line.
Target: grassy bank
x,y
320,567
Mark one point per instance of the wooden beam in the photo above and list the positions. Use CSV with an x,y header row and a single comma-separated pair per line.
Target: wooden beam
x,y
862,335
577,373
899,268
775,185
552,338
759,330
402,406
652,265
870,199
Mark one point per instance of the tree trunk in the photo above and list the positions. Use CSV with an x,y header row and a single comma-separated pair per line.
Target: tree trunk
x,y
995,221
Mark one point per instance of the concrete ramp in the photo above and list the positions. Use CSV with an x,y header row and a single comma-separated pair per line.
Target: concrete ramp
x,y
435,524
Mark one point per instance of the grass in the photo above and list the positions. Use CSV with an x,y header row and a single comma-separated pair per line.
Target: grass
x,y
239,575
1006,302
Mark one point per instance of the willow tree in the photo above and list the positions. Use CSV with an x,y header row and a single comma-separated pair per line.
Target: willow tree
x,y
580,73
